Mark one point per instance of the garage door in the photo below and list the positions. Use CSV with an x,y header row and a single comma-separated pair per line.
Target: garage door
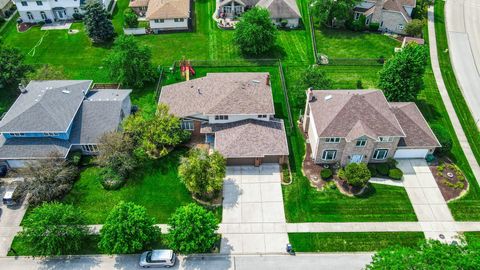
x,y
411,153
240,161
270,159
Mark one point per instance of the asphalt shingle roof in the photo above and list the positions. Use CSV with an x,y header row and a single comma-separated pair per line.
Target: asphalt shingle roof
x,y
32,148
168,9
47,106
283,9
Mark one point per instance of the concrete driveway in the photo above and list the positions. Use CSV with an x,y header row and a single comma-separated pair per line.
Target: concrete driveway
x,y
253,215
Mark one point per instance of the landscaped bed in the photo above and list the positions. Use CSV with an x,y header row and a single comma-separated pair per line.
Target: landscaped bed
x,y
450,180
352,241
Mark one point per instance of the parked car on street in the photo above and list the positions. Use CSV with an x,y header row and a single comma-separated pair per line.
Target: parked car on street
x,y
158,258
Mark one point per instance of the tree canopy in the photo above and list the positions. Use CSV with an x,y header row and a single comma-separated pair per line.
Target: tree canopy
x,y
402,75
255,33
327,11
127,229
414,28
155,137
54,229
131,18
315,77
12,66
429,255
97,25
202,173
192,230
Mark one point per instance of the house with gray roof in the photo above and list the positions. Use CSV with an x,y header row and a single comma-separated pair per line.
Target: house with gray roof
x,y
233,113
283,12
59,116
345,126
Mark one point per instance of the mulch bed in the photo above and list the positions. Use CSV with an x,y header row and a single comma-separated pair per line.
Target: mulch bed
x,y
347,189
310,169
24,27
452,186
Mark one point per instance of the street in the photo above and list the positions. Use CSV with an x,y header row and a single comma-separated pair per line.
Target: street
x,y
334,261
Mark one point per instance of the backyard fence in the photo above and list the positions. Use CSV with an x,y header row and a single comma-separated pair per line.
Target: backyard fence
x,y
158,89
230,63
135,31
356,61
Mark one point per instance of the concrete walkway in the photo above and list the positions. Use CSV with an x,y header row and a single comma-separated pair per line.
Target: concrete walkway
x,y
446,99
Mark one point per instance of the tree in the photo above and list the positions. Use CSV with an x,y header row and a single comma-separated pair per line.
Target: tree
x,y
402,76
414,28
130,63
12,66
202,173
49,179
97,25
54,229
115,151
47,72
255,33
131,18
444,139
155,136
329,11
357,174
315,77
128,229
192,230
428,255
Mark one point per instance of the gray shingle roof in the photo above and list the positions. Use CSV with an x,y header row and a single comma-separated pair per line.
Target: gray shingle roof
x,y
32,148
100,113
47,106
282,9
353,113
220,93
249,138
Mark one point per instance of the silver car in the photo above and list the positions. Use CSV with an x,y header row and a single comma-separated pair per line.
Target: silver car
x,y
158,258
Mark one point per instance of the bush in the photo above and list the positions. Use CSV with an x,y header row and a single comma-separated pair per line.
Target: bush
x,y
131,18
444,138
414,28
357,174
75,157
373,169
359,84
77,16
2,20
396,174
326,173
373,26
392,163
110,179
341,174
284,23
382,168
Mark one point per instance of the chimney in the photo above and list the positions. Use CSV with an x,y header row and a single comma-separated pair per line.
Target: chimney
x,y
268,79
310,95
22,88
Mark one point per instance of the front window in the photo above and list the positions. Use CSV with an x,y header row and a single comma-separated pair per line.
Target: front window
x,y
90,148
380,154
30,16
16,134
357,15
361,143
262,116
75,10
332,140
24,3
221,117
329,154
39,3
385,139
187,125
178,20
44,16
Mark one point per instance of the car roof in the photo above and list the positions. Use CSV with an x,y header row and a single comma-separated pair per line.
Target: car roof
x,y
161,254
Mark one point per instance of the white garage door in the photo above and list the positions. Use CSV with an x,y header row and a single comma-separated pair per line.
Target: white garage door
x,y
411,153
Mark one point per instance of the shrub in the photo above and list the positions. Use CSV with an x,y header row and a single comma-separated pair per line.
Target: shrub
x,y
75,158
284,23
373,26
77,16
373,169
414,28
444,138
382,168
392,163
2,20
131,18
396,174
326,173
359,84
341,174
110,179
357,174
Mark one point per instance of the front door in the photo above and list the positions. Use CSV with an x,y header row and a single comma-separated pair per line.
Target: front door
x,y
356,159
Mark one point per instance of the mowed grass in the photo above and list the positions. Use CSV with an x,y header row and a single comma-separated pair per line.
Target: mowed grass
x,y
352,242
155,185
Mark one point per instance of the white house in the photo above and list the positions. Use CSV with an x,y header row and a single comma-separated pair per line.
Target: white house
x,y
34,11
163,15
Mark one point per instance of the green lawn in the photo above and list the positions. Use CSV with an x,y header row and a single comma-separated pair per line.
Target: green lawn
x,y
352,242
472,237
155,185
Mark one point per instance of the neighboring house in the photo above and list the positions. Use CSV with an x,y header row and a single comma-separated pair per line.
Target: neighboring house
x,y
280,10
5,5
163,15
347,126
391,15
53,10
234,113
59,116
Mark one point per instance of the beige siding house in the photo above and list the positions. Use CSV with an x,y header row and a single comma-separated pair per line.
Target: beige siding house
x,y
345,126
163,15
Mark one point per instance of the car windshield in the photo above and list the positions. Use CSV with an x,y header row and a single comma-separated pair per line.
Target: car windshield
x,y
149,256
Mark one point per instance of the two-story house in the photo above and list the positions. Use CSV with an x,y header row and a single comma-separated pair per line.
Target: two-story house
x,y
234,113
59,116
35,11
345,126
391,15
163,15
280,10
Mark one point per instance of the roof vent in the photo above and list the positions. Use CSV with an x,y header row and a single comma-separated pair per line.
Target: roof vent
x,y
66,91
22,88
328,97
198,90
255,81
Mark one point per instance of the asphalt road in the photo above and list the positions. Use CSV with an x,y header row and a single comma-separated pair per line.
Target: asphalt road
x,y
304,262
463,29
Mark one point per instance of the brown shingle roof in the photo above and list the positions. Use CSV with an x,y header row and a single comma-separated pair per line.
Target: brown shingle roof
x,y
397,5
249,138
414,125
283,9
353,113
168,9
138,3
220,93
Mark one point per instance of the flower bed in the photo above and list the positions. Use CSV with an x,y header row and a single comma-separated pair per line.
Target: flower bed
x,y
450,180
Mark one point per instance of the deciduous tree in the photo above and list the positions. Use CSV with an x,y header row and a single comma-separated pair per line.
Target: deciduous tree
x,y
414,28
127,229
130,63
327,11
97,25
54,229
192,230
402,75
131,18
255,33
202,173
12,66
315,77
